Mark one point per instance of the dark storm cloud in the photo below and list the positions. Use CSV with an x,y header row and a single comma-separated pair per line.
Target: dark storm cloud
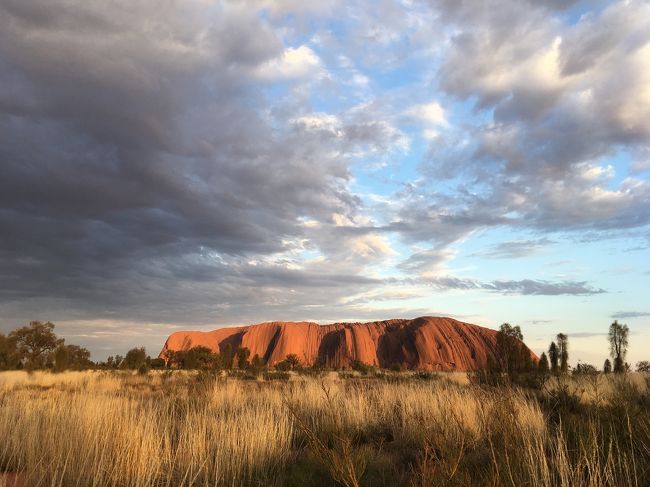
x,y
136,147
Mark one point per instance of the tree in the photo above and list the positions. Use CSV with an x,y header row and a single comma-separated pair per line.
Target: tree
x,y
607,366
8,359
242,357
554,357
512,354
542,365
643,366
71,357
585,369
34,344
362,367
196,358
292,361
563,352
118,361
157,363
135,359
257,363
618,343
227,356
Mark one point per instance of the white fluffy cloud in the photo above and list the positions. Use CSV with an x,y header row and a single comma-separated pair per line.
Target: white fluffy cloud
x,y
294,63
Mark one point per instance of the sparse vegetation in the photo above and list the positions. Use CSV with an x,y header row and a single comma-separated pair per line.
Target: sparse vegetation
x,y
618,343
224,419
181,428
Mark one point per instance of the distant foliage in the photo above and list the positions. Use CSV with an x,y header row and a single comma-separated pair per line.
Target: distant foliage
x,y
135,359
227,356
563,352
513,355
34,345
362,367
643,366
585,369
293,361
195,358
542,365
242,357
8,355
71,357
618,343
512,363
554,358
607,366
37,346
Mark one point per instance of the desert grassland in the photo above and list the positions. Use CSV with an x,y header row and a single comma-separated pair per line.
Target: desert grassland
x,y
185,428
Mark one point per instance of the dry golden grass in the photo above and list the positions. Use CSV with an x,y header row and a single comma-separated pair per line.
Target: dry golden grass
x,y
171,429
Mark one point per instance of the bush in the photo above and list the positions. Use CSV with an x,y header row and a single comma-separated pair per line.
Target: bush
x,y
585,369
362,367
134,359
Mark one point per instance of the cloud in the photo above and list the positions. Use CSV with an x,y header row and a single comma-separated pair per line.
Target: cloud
x,y
544,288
293,63
514,249
143,167
551,108
427,262
622,315
430,113
526,287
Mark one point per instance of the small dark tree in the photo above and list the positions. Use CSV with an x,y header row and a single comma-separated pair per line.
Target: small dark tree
x,y
607,366
362,367
563,352
283,365
292,360
71,357
618,343
257,363
8,359
118,361
554,358
643,366
242,357
197,358
513,356
157,363
585,369
34,344
135,359
542,365
227,356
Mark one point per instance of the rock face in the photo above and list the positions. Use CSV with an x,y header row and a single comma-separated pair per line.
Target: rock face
x,y
426,343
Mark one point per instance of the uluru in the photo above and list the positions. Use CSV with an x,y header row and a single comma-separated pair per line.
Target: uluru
x,y
425,343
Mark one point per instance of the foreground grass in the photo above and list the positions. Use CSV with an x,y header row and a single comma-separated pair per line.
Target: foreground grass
x,y
171,429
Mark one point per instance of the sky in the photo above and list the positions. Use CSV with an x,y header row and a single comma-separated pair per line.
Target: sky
x,y
173,165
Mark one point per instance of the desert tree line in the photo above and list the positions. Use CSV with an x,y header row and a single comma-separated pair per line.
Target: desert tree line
x,y
37,347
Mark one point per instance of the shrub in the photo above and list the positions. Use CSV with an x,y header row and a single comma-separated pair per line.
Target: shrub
x,y
362,367
134,359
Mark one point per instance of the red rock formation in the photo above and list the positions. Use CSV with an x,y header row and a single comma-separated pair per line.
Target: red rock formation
x,y
425,343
